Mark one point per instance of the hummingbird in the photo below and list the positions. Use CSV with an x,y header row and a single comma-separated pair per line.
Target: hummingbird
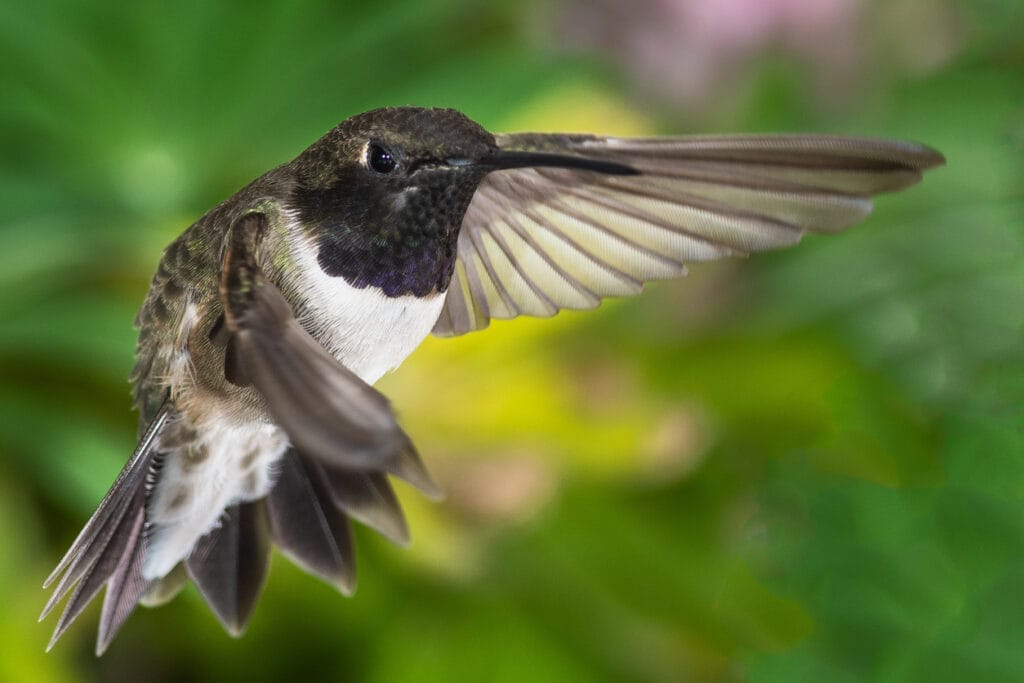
x,y
269,320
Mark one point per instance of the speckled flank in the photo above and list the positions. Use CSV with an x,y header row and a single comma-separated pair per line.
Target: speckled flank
x,y
179,499
193,456
220,466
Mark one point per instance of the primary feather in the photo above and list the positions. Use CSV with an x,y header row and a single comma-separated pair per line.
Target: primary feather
x,y
537,240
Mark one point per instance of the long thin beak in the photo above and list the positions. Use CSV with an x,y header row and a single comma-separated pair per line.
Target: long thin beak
x,y
504,159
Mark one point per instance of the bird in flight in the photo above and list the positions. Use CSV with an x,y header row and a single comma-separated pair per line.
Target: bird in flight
x,y
270,318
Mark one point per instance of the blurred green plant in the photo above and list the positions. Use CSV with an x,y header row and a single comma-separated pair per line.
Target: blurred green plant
x,y
809,466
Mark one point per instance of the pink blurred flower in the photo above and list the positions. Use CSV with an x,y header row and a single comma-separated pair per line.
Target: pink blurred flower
x,y
683,49
746,24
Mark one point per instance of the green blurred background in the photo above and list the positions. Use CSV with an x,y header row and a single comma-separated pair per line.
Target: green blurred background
x,y
808,465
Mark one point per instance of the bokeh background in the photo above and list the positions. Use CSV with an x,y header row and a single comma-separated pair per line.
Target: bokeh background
x,y
807,465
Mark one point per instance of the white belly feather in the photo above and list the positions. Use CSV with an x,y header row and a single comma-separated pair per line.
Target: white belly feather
x,y
369,332
226,464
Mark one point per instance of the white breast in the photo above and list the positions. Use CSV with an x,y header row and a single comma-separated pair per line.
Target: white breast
x,y
368,332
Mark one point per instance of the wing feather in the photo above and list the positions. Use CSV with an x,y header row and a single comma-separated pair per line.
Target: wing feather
x,y
537,240
328,412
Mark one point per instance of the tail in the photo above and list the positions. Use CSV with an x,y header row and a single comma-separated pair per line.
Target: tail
x,y
306,515
110,548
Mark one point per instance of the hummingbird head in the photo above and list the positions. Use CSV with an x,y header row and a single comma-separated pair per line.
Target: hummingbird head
x,y
382,196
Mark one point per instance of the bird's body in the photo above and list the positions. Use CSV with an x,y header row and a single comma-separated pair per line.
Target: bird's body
x,y
232,446
269,320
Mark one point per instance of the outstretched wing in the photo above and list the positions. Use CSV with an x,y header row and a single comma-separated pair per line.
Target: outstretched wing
x,y
328,412
537,240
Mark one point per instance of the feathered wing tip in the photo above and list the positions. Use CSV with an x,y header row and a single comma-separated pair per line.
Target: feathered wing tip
x,y
109,548
367,497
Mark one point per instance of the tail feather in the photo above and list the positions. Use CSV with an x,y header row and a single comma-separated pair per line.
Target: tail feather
x,y
306,514
126,585
108,556
406,464
96,560
110,509
229,565
111,533
307,526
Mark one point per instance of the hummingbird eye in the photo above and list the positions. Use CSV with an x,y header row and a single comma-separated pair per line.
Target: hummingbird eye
x,y
379,158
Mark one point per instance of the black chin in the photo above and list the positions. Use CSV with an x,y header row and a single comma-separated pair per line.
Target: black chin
x,y
508,159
